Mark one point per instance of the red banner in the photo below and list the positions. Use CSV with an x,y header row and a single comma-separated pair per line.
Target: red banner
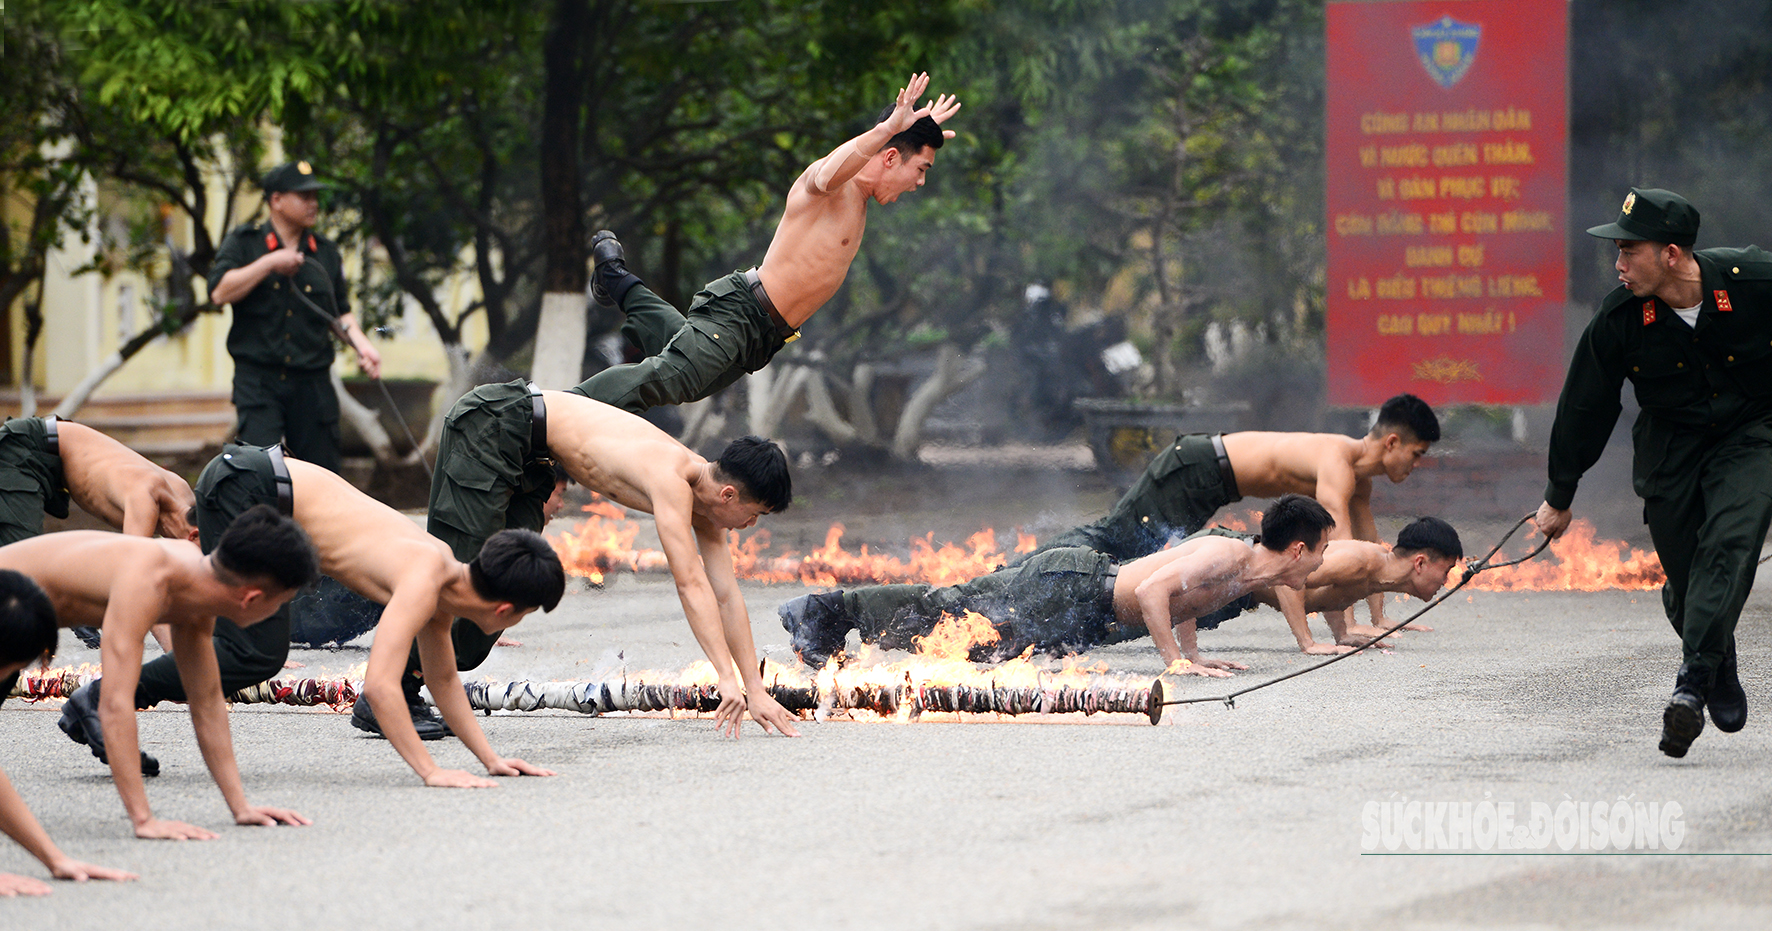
x,y
1446,148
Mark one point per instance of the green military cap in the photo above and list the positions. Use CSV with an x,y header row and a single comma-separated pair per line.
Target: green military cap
x,y
1654,215
292,176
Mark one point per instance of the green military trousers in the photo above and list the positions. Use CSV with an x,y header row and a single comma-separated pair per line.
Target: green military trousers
x,y
488,479
1058,601
725,335
238,479
1176,495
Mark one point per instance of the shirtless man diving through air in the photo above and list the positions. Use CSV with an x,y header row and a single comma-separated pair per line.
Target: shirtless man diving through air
x,y
742,320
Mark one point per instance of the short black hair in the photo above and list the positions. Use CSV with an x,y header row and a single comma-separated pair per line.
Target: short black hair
x,y
27,620
262,544
1294,518
520,567
561,475
911,140
1409,414
760,470
1433,535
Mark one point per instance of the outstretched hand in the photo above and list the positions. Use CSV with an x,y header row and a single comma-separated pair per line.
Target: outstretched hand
x,y
905,110
944,107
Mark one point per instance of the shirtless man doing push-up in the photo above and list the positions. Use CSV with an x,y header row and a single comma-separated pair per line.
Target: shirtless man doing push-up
x,y
1191,479
1069,599
125,585
493,471
1352,571
381,554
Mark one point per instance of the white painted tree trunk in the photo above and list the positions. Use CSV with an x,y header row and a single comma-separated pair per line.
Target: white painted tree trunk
x,y
559,340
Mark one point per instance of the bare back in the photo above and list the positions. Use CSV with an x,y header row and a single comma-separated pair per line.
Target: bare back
x,y
1351,572
367,546
1268,465
78,569
614,453
814,244
1214,570
119,486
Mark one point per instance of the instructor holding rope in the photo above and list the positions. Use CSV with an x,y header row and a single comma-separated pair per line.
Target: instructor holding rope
x,y
1692,333
282,350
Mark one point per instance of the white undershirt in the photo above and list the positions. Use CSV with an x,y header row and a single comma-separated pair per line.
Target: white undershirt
x,y
1690,314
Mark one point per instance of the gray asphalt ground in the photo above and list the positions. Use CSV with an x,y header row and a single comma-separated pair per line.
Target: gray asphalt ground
x,y
1251,817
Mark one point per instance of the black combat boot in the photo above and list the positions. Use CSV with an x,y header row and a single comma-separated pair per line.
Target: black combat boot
x,y
424,720
1683,719
817,626
80,722
610,278
1727,700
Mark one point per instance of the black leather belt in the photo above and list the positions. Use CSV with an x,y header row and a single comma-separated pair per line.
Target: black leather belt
x,y
538,423
285,487
1224,467
52,442
755,282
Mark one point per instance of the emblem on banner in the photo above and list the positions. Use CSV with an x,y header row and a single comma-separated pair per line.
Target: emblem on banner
x,y
1447,48
1648,312
1723,302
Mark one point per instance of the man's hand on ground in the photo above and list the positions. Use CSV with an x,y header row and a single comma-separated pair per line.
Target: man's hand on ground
x,y
76,871
457,779
11,885
768,713
511,766
265,816
156,829
1327,649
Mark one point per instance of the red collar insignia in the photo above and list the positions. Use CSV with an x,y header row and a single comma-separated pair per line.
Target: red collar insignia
x,y
1648,311
1723,301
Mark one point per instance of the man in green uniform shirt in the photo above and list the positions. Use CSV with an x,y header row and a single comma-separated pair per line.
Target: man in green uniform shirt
x,y
1692,332
282,349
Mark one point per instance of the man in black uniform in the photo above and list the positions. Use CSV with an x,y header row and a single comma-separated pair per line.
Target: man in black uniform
x,y
282,349
1692,332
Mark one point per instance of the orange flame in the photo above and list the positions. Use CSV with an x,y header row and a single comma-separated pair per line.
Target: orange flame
x,y
1581,564
604,543
954,637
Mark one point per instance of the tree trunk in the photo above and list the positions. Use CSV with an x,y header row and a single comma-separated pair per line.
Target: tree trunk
x,y
560,334
950,376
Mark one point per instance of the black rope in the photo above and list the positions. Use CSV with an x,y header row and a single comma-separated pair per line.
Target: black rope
x,y
1470,571
338,329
